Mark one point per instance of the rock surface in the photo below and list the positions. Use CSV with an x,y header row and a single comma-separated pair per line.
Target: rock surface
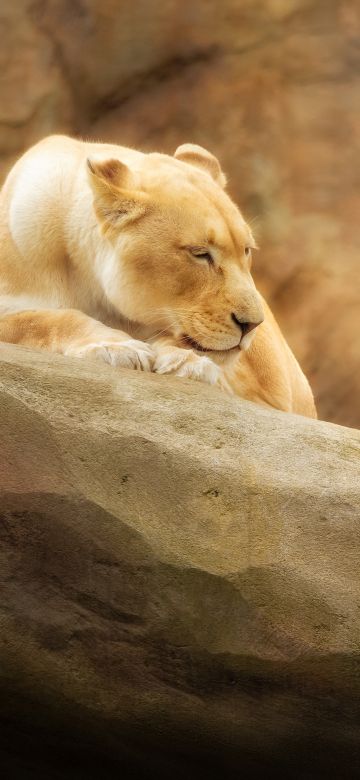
x,y
180,580
271,86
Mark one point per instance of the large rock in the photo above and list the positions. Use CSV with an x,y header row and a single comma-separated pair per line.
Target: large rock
x,y
180,580
271,86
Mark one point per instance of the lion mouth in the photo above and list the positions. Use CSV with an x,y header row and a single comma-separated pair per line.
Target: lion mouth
x,y
190,342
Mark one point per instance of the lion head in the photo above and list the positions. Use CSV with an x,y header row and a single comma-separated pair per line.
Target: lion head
x,y
181,250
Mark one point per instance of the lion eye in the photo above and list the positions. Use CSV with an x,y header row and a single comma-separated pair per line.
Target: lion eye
x,y
201,255
247,251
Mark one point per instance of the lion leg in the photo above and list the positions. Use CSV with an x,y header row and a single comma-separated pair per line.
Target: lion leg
x,y
70,332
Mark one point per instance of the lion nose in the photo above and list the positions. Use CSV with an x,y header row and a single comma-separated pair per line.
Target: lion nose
x,y
244,325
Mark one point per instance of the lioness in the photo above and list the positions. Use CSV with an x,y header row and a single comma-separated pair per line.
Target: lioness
x,y
143,261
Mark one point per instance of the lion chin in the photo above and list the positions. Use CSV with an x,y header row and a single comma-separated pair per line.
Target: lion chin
x,y
106,253
188,341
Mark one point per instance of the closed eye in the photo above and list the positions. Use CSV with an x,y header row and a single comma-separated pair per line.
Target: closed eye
x,y
201,254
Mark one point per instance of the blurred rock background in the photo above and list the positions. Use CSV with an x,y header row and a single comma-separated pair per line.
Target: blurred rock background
x,y
272,87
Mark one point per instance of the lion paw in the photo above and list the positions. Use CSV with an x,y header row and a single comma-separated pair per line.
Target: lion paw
x,y
125,354
185,363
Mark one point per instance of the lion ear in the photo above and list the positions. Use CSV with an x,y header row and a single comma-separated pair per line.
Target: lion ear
x,y
201,158
106,173
115,201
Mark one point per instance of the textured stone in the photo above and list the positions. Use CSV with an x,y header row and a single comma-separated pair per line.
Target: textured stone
x,y
180,580
270,86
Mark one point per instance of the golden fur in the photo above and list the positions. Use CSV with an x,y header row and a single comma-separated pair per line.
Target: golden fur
x,y
142,261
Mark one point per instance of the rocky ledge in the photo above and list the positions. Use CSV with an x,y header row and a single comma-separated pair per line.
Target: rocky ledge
x,y
180,580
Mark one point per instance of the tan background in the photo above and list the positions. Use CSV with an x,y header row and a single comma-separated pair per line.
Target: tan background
x,y
270,86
